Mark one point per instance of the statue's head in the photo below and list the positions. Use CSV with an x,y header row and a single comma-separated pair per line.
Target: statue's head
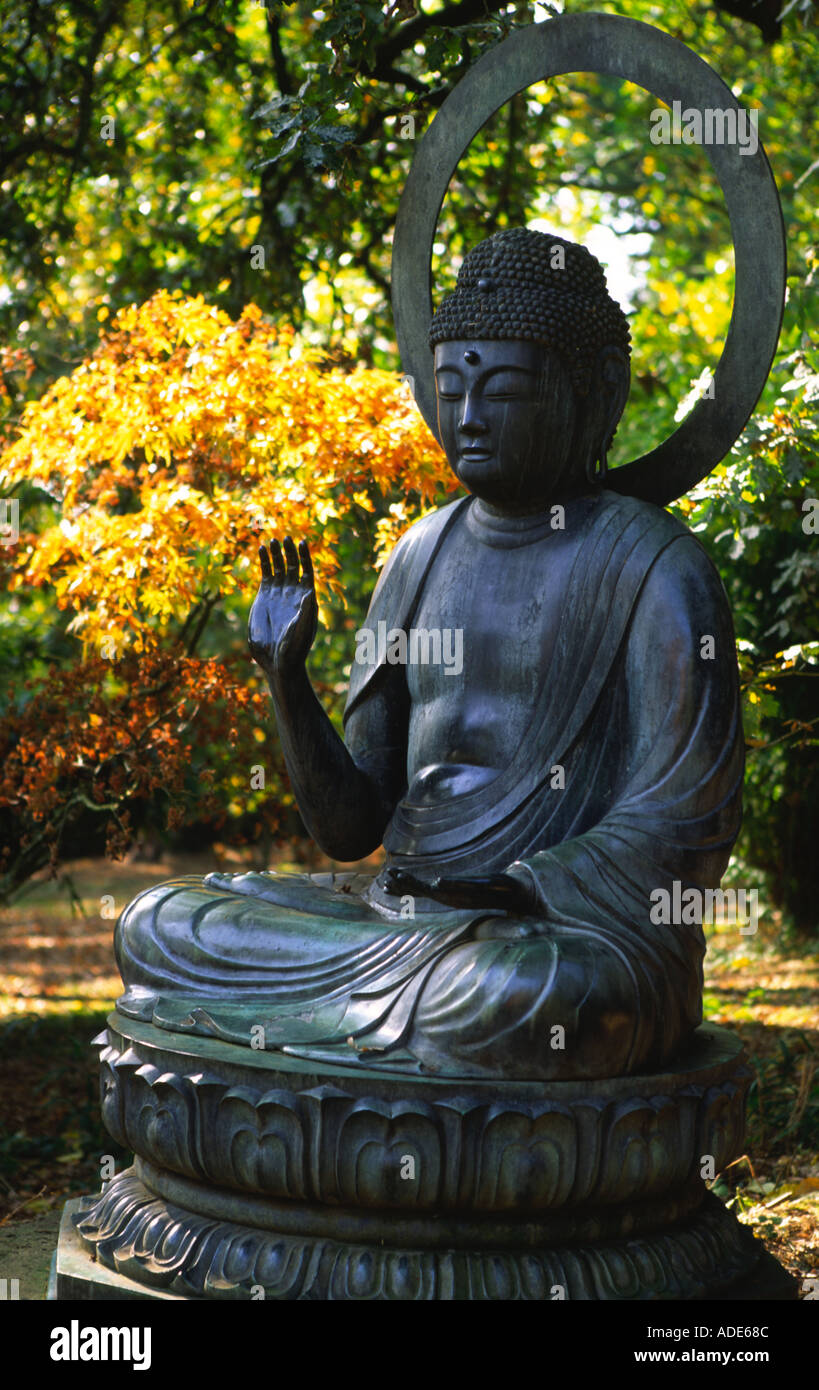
x,y
531,369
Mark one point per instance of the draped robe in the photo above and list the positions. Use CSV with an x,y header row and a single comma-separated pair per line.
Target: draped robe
x,y
639,712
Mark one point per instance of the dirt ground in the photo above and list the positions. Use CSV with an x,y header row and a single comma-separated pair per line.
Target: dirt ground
x,y
58,979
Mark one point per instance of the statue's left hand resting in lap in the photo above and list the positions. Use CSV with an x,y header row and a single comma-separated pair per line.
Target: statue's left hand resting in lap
x,y
546,741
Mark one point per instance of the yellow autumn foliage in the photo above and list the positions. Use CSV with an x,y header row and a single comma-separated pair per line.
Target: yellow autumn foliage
x,y
184,437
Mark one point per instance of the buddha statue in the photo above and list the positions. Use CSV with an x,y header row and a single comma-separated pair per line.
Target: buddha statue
x,y
588,754
479,1073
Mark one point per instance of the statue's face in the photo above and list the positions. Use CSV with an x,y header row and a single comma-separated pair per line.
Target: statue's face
x,y
506,414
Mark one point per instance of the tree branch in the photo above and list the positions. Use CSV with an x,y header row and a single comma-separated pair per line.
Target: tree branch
x,y
450,17
284,80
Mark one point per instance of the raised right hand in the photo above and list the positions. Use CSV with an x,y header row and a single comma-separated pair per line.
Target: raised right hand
x,y
284,617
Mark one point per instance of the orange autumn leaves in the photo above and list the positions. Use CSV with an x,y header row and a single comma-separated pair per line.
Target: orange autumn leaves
x,y
181,436
156,739
97,740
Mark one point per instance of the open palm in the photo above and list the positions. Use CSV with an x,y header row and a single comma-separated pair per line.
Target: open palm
x,y
283,620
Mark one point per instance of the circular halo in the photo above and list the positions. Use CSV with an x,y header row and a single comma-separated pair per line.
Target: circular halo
x,y
652,59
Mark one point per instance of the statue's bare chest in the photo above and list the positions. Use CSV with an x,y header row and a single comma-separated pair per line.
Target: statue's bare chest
x,y
496,611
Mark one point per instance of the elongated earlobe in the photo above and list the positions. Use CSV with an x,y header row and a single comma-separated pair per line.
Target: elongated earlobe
x,y
596,469
615,379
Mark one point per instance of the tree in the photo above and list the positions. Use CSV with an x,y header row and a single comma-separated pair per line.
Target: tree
x,y
151,473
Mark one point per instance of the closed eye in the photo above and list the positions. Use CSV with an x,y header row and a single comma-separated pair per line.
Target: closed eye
x,y
449,388
509,386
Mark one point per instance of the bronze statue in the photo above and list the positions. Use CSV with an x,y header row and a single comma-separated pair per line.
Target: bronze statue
x,y
588,754
478,1074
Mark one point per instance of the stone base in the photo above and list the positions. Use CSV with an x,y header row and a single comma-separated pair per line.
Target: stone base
x,y
76,1273
258,1176
226,1260
193,1251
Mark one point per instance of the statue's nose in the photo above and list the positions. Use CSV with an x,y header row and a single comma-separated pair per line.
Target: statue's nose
x,y
472,421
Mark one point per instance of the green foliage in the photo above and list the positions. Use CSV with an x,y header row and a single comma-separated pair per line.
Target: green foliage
x,y
320,146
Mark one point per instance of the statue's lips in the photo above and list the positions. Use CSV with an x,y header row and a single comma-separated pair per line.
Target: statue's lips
x,y
476,454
